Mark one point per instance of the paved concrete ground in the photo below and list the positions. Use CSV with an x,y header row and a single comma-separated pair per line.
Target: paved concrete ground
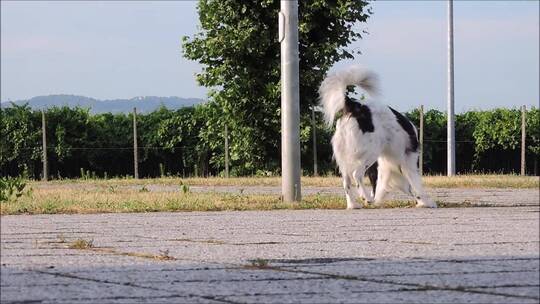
x,y
454,255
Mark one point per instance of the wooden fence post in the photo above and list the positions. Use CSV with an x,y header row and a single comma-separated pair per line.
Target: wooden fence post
x,y
226,151
45,176
135,147
523,136
421,158
314,126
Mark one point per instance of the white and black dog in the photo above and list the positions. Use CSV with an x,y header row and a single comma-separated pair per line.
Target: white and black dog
x,y
371,137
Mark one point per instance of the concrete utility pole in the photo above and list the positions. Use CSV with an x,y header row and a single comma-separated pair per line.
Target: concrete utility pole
x,y
451,140
135,147
290,101
45,176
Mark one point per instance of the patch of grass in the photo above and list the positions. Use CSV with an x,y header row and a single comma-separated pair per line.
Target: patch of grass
x,y
259,263
12,188
112,188
465,204
482,181
81,244
434,181
89,245
211,241
184,188
78,200
50,207
162,256
97,197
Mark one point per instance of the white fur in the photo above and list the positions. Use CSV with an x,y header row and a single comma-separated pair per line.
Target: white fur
x,y
334,87
356,151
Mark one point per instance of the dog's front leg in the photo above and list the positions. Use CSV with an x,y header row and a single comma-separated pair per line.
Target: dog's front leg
x,y
350,193
412,175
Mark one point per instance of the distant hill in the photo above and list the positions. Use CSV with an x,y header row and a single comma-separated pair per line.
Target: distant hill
x,y
143,104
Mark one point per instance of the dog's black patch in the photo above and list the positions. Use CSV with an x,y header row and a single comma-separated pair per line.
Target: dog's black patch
x,y
408,127
372,175
361,112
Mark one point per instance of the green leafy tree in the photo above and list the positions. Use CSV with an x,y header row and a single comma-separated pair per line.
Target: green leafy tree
x,y
465,125
239,51
20,141
533,131
188,142
434,141
108,135
533,140
67,133
152,153
180,136
497,137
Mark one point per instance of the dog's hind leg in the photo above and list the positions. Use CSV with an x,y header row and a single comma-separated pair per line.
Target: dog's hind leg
x,y
372,173
358,176
383,180
350,193
410,171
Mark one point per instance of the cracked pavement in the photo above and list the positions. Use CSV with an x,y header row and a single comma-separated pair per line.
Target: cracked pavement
x,y
447,255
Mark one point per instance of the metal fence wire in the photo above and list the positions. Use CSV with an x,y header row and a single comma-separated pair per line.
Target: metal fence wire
x,y
155,161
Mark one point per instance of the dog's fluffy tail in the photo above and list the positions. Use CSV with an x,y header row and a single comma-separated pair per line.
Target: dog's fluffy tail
x,y
334,87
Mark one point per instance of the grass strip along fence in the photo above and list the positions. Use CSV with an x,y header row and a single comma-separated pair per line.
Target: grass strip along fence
x,y
128,195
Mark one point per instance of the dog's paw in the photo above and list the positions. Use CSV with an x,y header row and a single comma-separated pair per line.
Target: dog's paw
x,y
351,206
377,204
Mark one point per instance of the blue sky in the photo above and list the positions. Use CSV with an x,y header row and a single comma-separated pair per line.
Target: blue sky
x,y
125,49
